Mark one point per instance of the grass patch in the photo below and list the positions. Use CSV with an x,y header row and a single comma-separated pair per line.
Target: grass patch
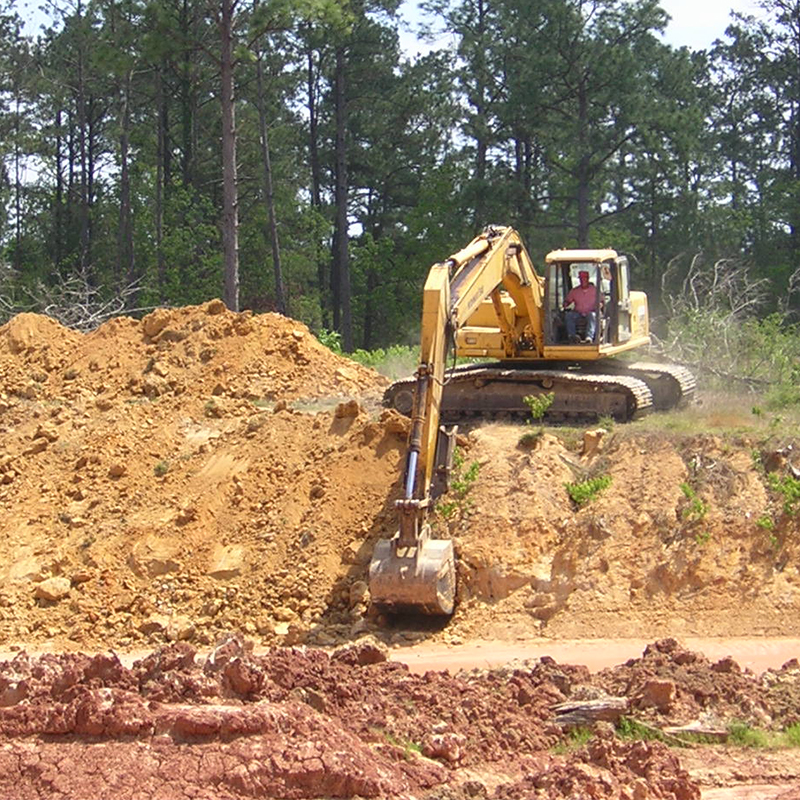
x,y
574,740
629,729
583,492
744,735
792,735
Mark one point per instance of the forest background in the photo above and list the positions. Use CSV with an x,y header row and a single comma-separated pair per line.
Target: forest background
x,y
288,155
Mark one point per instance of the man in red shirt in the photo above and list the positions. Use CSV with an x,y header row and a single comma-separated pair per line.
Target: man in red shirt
x,y
584,300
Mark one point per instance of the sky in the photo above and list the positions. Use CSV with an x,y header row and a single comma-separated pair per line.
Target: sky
x,y
697,23
694,23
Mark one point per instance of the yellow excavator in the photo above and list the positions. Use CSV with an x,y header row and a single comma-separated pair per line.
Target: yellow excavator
x,y
488,302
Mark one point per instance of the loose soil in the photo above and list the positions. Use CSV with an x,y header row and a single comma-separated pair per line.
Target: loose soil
x,y
167,481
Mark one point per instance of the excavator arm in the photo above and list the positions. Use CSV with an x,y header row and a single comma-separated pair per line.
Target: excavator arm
x,y
412,571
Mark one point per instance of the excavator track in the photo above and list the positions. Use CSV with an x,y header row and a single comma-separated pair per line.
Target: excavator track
x,y
671,385
497,391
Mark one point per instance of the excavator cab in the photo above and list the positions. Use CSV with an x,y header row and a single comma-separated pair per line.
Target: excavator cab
x,y
609,274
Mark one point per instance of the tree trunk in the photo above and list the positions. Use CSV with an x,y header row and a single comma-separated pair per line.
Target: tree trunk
x,y
583,167
83,207
125,259
341,255
187,99
17,186
271,232
481,122
162,173
316,172
230,214
58,246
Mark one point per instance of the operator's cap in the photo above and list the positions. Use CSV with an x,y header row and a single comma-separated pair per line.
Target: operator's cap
x,y
582,273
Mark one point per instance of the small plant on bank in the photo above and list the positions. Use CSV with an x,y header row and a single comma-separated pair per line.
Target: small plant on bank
x,y
161,469
765,522
408,746
607,422
788,488
584,492
462,481
702,538
538,405
575,739
697,508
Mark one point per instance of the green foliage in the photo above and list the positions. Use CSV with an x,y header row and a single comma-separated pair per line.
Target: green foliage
x,y
409,747
461,482
744,735
331,339
394,362
702,538
765,522
539,404
606,422
575,739
788,488
792,735
718,341
161,469
697,508
584,492
629,729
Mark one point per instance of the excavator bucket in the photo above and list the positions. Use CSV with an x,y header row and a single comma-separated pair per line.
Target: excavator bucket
x,y
419,578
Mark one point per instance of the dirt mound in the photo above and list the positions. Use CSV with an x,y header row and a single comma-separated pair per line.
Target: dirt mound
x,y
198,471
671,685
296,724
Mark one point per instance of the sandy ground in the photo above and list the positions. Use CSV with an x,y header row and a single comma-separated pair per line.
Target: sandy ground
x,y
757,655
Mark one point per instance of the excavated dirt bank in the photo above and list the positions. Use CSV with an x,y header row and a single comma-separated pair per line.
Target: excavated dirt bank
x,y
200,471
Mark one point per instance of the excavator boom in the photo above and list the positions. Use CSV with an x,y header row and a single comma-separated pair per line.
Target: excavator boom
x,y
412,571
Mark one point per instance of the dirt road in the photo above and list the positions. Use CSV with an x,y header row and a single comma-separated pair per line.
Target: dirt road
x,y
757,655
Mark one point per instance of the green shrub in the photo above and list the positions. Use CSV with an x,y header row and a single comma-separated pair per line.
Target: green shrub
x,y
789,489
331,339
584,492
462,480
746,736
539,404
697,508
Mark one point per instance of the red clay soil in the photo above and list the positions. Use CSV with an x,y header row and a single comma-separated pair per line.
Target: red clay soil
x,y
304,724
